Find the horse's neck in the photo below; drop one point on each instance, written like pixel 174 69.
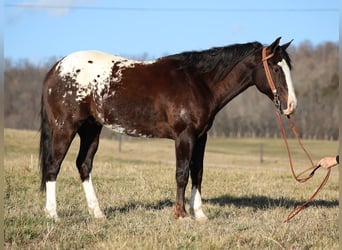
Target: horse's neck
pixel 234 83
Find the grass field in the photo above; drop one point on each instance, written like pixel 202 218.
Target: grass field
pixel 245 200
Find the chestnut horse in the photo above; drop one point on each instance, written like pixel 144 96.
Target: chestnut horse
pixel 175 97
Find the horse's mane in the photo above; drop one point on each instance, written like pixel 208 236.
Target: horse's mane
pixel 220 59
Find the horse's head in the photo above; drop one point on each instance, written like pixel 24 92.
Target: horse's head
pixel 278 63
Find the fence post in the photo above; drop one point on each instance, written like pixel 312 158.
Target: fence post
pixel 120 142
pixel 261 153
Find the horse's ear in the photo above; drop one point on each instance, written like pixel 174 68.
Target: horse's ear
pixel 272 48
pixel 286 45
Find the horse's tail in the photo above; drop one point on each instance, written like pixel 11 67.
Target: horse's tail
pixel 46 132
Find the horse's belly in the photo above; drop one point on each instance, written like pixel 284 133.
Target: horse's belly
pixel 139 118
pixel 129 131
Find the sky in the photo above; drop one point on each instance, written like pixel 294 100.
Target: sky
pixel 40 29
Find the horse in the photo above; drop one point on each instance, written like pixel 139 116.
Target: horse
pixel 175 97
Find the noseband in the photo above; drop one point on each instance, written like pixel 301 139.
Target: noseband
pixel 270 80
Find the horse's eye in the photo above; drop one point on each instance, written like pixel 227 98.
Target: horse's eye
pixel 276 69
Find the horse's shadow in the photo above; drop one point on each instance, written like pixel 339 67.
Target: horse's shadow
pixel 160 205
pixel 263 202
pixel 255 201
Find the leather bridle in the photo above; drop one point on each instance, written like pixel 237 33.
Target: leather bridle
pixel 270 80
pixel 313 167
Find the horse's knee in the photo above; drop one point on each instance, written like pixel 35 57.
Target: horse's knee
pixel 52 173
pixel 84 171
pixel 182 176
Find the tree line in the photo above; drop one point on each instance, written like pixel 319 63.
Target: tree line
pixel 251 114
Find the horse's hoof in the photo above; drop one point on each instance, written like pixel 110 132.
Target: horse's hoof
pixel 198 215
pixel 51 214
pixel 186 218
pixel 97 213
pixel 53 217
pixel 201 219
pixel 100 216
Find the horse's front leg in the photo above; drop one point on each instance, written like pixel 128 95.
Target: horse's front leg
pixel 184 147
pixel 196 168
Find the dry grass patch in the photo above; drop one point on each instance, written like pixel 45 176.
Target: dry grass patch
pixel 246 201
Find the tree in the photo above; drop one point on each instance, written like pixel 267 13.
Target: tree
pixel 251 114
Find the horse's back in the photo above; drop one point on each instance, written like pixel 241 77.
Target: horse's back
pixel 85 72
pixel 93 66
pixel 92 61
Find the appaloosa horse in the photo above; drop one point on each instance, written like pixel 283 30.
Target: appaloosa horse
pixel 176 97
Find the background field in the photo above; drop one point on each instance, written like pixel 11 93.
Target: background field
pixel 245 200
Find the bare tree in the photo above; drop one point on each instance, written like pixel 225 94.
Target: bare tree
pixel 315 76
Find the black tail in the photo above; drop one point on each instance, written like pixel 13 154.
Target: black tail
pixel 45 142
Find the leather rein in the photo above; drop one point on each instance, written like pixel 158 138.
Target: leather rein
pixel 313 167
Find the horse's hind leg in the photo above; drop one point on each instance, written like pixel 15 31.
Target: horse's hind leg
pixel 60 142
pixel 89 134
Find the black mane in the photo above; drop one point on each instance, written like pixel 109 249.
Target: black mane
pixel 223 59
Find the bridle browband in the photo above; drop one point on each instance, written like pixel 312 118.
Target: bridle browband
pixel 313 167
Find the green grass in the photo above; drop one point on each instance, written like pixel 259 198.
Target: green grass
pixel 245 200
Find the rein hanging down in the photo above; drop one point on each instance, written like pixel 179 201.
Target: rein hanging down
pixel 313 167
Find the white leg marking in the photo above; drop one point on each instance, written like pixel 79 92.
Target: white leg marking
pixel 291 99
pixel 51 206
pixel 93 204
pixel 196 205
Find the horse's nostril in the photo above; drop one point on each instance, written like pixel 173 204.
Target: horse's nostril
pixel 290 108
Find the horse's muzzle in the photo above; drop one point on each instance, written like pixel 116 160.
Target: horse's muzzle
pixel 291 107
